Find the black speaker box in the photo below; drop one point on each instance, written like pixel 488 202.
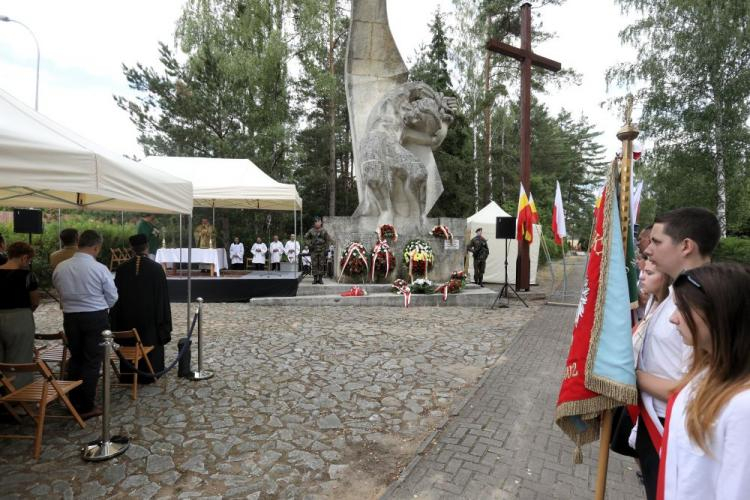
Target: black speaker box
pixel 27 221
pixel 505 228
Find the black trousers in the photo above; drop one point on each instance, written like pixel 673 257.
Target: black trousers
pixel 237 266
pixel 275 266
pixel 258 267
pixel 84 332
pixel 648 456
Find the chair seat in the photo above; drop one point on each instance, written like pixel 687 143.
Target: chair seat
pixel 33 391
pixel 129 352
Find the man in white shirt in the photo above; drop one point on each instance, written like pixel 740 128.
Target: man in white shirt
pixel 259 250
pixel 291 249
pixel 276 248
pixel 87 291
pixel 236 253
pixel 681 239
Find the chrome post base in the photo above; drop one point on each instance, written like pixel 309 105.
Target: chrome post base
pixel 202 375
pixel 97 451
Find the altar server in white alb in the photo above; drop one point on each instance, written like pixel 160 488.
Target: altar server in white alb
pixel 277 249
pixel 259 250
pixel 236 253
pixel 291 249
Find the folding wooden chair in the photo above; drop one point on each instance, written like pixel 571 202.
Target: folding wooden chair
pixel 133 354
pixel 55 353
pixel 115 258
pixel 41 391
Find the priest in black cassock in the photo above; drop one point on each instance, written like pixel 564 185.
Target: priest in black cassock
pixel 143 304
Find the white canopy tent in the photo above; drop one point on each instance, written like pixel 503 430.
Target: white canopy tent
pixel 495 272
pixel 45 165
pixel 230 183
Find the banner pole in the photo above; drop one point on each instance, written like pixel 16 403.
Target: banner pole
pixel 601 473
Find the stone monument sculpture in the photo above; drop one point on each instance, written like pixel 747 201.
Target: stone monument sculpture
pixel 395 124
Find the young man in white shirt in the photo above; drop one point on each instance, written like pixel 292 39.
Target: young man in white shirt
pixel 681 239
pixel 259 250
pixel 276 248
pixel 236 253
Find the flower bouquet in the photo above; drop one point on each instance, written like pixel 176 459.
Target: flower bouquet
pixel 354 291
pixel 354 259
pixel 422 286
pixel 383 260
pixel 401 287
pixel 459 277
pixel 387 232
pixel 419 257
pixel 442 232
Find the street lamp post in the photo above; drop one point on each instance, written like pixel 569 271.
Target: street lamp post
pixel 6 19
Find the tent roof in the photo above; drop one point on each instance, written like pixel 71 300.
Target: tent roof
pixel 230 183
pixel 45 165
pixel 488 214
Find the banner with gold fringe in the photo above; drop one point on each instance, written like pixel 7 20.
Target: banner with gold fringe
pixel 599 372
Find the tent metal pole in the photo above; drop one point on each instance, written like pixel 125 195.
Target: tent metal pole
pixel 59 228
pixel 179 245
pixel 190 266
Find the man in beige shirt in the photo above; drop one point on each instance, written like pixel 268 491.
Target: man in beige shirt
pixel 69 239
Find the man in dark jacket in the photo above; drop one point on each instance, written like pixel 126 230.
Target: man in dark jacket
pixel 480 250
pixel 143 304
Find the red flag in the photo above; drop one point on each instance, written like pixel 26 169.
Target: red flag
pixel 534 213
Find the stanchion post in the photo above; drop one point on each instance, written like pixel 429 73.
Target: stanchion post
pixel 106 447
pixel 201 374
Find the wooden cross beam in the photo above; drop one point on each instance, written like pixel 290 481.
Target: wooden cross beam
pixel 527 59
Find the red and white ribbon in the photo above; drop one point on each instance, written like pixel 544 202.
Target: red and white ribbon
pixel 444 290
pixel 403 289
pixel 380 245
pixel 349 252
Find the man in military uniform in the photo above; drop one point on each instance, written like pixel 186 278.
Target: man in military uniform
pixel 204 235
pixel 480 250
pixel 318 240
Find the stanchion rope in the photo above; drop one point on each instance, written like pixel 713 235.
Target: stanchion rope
pixel 180 354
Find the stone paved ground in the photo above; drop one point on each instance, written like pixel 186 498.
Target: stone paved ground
pixel 306 403
pixel 503 443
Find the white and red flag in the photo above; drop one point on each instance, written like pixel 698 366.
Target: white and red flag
pixel 558 217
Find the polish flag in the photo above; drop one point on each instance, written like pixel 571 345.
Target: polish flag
pixel 558 217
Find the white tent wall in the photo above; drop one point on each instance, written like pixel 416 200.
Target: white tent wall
pixel 495 271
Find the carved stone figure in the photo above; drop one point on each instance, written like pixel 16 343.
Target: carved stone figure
pixel 396 163
pixel 395 125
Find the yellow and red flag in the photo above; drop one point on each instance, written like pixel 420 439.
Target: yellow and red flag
pixel 524 218
pixel 534 213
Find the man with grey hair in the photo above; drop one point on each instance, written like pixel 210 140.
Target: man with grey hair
pixel 87 291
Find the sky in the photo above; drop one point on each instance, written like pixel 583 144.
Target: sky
pixel 83 45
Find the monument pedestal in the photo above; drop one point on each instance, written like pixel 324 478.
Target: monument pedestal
pixel 449 255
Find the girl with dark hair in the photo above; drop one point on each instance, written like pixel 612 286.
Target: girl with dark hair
pixel 707 434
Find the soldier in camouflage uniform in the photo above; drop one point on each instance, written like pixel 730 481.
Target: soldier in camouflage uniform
pixel 480 250
pixel 318 240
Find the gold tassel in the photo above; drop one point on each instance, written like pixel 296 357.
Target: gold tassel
pixel 137 264
pixel 578 456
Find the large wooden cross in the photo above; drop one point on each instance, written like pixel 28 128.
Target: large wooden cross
pixel 527 59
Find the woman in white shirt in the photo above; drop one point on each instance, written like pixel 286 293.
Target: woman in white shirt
pixel 707 433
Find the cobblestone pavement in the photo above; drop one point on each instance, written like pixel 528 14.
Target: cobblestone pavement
pixel 306 403
pixel 504 443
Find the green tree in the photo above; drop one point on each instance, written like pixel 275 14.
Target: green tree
pixel 693 62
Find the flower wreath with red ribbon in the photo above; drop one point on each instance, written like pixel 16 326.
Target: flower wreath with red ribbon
pixel 442 232
pixel 401 287
pixel 387 232
pixel 383 261
pixel 354 259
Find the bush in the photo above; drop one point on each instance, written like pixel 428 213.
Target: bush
pixel 115 235
pixel 733 249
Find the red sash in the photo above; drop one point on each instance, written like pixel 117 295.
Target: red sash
pixel 663 450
